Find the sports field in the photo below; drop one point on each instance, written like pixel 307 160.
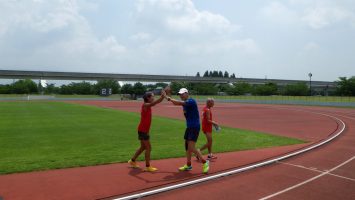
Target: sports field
pixel 51 135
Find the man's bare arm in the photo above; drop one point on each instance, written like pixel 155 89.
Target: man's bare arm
pixel 176 102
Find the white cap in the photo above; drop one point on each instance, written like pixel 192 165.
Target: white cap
pixel 183 90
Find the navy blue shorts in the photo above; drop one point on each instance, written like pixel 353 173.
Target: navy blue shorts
pixel 191 134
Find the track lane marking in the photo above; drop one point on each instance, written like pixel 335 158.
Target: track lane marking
pixel 307 181
pixel 316 170
pixel 239 170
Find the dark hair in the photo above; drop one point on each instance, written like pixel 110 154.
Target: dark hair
pixel 146 96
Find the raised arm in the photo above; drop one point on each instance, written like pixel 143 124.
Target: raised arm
pixel 155 102
pixel 176 102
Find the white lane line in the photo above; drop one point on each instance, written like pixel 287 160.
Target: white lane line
pixel 239 170
pixel 316 170
pixel 302 167
pixel 307 181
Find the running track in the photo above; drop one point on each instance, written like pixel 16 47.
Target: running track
pixel 306 176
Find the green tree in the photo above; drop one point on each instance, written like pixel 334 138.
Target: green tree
pixel 233 76
pixel 51 89
pixel 127 89
pixel 107 83
pixel 205 74
pixel 220 74
pixel 150 87
pixel 83 88
pixel 299 89
pixel 224 87
pixel 345 86
pixel 5 89
pixel 198 74
pixel 205 88
pixel 65 89
pixel 26 86
pixel 226 74
pixel 163 85
pixel 266 89
pixel 139 88
pixel 240 88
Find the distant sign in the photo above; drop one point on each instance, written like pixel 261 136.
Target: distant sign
pixel 106 92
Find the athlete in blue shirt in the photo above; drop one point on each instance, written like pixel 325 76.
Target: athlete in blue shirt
pixel 192 128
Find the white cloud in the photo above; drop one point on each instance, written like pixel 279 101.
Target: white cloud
pixel 319 17
pixel 185 30
pixel 199 22
pixel 315 14
pixel 141 36
pixel 182 15
pixel 279 12
pixel 53 33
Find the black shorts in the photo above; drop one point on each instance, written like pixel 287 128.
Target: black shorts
pixel 143 136
pixel 191 134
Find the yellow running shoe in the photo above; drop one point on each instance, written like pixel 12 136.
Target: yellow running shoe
pixel 133 164
pixel 185 168
pixel 150 169
pixel 206 167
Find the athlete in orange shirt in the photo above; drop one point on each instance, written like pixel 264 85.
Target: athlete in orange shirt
pixel 207 123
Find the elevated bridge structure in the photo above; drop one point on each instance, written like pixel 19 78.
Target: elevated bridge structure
pixel 51 75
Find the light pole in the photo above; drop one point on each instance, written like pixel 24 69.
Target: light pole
pixel 310 84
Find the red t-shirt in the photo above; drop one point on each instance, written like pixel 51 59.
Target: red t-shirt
pixel 146 119
pixel 206 125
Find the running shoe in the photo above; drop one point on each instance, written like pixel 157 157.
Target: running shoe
pixel 206 167
pixel 185 168
pixel 210 157
pixel 150 169
pixel 133 164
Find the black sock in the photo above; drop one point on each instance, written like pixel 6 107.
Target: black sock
pixel 134 160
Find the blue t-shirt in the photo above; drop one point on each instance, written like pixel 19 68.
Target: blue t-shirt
pixel 191 114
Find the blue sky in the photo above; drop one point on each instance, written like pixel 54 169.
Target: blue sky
pixel 256 39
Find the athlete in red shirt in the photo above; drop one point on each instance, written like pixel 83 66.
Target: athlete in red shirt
pixel 207 123
pixel 143 130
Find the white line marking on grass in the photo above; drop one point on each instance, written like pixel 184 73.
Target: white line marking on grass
pixel 306 181
pixel 316 170
pixel 239 170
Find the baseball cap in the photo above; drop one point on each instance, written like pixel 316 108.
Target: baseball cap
pixel 183 90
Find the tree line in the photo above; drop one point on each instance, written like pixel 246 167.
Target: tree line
pixel 345 87
pixel 28 86
pixel 216 73
pixel 242 88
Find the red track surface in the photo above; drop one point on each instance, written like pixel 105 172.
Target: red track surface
pixel 117 179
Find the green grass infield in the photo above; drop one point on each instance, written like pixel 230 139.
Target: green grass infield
pixel 51 135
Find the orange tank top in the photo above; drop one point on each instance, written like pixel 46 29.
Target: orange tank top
pixel 206 126
pixel 146 119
